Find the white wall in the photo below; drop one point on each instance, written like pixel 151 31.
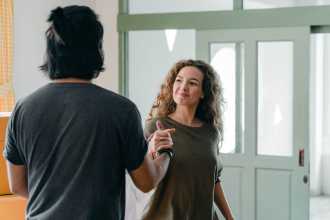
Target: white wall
pixel 108 10
pixel 161 6
pixel 29 41
pixel 147 72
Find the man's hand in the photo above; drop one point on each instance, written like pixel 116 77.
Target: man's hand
pixel 154 168
pixel 161 138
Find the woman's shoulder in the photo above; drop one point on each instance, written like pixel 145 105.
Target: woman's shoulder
pixel 150 124
pixel 152 120
pixel 213 132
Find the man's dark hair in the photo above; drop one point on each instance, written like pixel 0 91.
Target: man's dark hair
pixel 74 44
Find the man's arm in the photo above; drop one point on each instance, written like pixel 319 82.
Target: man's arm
pixel 17 179
pixel 152 170
pixel 148 175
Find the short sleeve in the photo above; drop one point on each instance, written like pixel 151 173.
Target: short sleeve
pixel 218 174
pixel 135 146
pixel 11 151
pixel 219 161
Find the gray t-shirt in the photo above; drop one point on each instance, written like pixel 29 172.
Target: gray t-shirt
pixel 76 141
pixel 187 191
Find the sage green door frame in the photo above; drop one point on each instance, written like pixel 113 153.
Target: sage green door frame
pixel 248 161
pixel 316 17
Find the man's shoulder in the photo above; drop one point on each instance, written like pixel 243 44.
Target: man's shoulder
pixel 98 92
pixel 116 100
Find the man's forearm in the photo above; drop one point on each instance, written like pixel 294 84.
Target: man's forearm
pixel 17 179
pixel 161 164
pixel 153 169
pixel 151 172
pixel 22 192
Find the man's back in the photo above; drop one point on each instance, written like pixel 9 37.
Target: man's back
pixel 76 140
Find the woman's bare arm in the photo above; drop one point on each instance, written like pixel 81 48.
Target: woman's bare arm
pixel 220 200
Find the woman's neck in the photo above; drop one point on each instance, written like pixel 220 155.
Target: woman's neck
pixel 185 116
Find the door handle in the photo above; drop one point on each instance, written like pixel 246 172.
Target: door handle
pixel 305 179
pixel 301 157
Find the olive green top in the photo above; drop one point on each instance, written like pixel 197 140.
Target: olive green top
pixel 187 191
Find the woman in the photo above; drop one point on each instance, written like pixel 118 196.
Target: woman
pixel 190 100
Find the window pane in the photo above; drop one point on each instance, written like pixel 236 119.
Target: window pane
pixel 275 98
pixel 164 6
pixel 224 59
pixel 262 4
pixel 151 55
pixel 319 122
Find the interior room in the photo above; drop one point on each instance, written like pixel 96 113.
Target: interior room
pixel 273 61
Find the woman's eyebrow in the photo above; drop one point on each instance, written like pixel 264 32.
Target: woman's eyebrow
pixel 194 79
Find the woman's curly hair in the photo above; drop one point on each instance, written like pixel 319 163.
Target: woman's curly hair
pixel 209 109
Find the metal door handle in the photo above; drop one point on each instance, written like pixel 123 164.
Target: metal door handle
pixel 305 179
pixel 301 157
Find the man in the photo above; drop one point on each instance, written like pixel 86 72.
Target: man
pixel 70 142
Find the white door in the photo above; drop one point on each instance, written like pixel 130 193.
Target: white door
pixel 265 75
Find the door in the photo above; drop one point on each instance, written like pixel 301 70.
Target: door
pixel 265 77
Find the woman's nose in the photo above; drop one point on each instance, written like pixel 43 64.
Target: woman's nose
pixel 184 86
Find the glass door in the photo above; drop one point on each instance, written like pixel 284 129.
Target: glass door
pixel 265 75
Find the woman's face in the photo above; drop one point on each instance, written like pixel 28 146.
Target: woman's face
pixel 187 87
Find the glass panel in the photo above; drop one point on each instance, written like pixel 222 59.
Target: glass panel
pixel 151 55
pixel 319 126
pixel 318 72
pixel 164 6
pixel 275 98
pixel 262 4
pixel 224 58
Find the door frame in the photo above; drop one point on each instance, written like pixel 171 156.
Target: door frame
pixel 238 18
pixel 249 161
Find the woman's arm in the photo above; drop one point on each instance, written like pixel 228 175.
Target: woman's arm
pixel 220 200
